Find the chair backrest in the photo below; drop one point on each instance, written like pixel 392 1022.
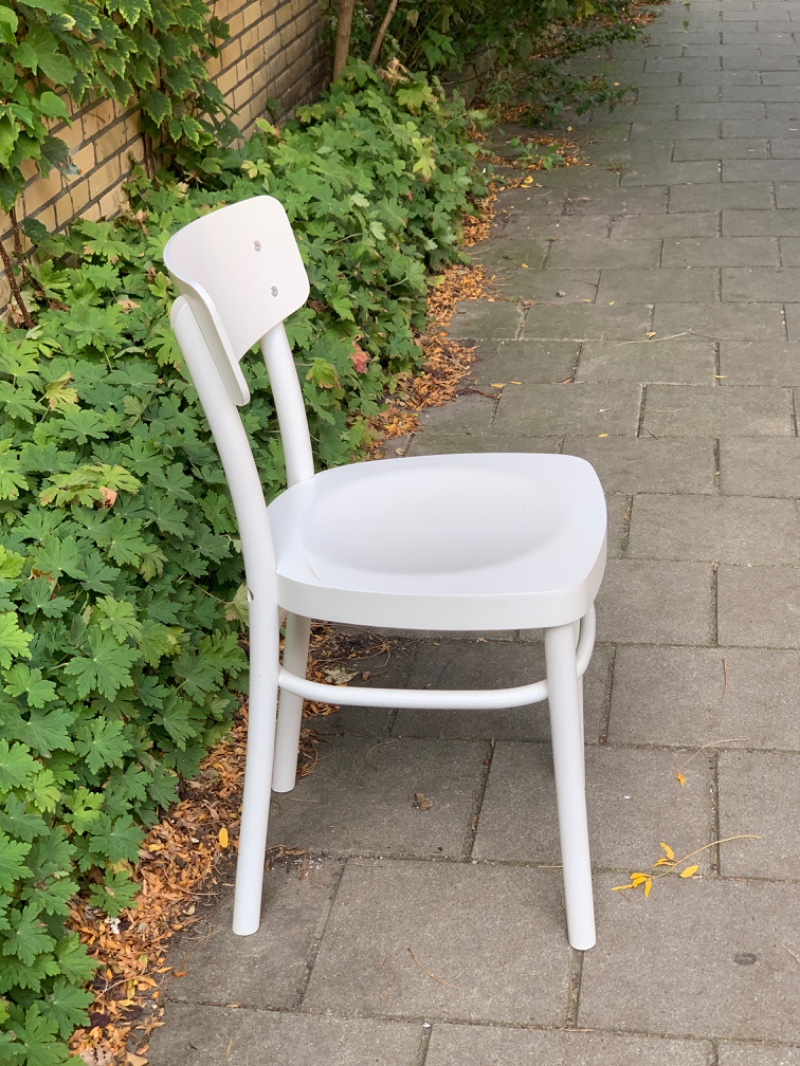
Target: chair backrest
pixel 240 271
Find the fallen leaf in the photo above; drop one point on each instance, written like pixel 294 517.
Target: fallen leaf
pixel 667 850
pixel 421 801
pixel 680 778
pixel 690 871
pixel 223 837
pixel 649 334
pixel 496 385
pixel 602 434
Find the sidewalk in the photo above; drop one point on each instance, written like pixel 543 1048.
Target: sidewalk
pixel 649 322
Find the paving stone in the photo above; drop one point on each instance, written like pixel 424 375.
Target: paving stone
pixel 631 794
pixel 784 149
pixel 587 178
pixel 654 133
pixel 716 148
pixel 759 607
pixel 459 922
pixel 751 467
pixel 671 173
pixel 683 64
pixel 360 798
pixel 767 93
pixel 643 200
pixel 460 664
pixel 787 194
pixel 655 602
pixel 269 969
pixel 792 318
pixel 761 223
pixel 707 411
pixel 605 254
pixel 691 224
pixel 446 440
pixel 454 1045
pixel 722 111
pixel 725 697
pixel 783 170
pixel 752 195
pixel 721 252
pixel 547 286
pixel 552 410
pixel 647 286
pixel 472 412
pixel 240 1037
pixel 648 465
pixel 530 202
pixel 481 318
pixel 728 321
pixel 748 363
pixel 790 250
pixel 778 77
pixel 680 94
pixel 559 227
pixel 757 1055
pixel 528 362
pixel 758 794
pixel 730 529
pixel 508 254
pixel 684 361
pixel 588 321
pixel 706 927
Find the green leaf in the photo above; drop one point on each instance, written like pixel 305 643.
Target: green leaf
pixel 28 936
pixel 8 25
pixel 21 680
pixel 13 641
pixel 106 669
pixel 38 1036
pixel 18 768
pixel 12 865
pixel 66 1005
pixel 52 106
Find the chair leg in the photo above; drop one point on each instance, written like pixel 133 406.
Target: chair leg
pixel 264 659
pixel 290 707
pixel 565 722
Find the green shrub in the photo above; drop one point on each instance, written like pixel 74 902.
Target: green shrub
pixel 119 565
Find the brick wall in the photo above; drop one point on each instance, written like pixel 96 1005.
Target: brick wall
pixel 275 50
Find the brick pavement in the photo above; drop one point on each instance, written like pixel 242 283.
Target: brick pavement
pixel 664 281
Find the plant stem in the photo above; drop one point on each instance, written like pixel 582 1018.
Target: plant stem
pixel 343 27
pixel 376 44
pixel 12 284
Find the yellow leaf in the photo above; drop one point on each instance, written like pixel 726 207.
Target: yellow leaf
pixel 690 871
pixel 647 888
pixel 602 434
pixel 495 385
pixel 620 888
pixel 680 778
pixel 223 837
pixel 638 879
pixel 649 334
pixel 663 862
pixel 667 850
pixel 524 266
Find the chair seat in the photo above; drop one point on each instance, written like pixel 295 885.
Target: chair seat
pixel 483 541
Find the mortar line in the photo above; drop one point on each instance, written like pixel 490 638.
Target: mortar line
pixel 714 862
pixel 475 814
pixel 714 607
pixel 605 721
pixel 625 537
pixel 574 978
pixel 717 468
pixel 642 406
pixel 794 412
pixel 713 1054
pixel 424 1044
pixel 311 958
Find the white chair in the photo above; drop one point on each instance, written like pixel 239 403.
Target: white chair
pixel 443 542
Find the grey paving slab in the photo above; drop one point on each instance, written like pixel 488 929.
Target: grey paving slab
pixel 585 176
pixel 787 194
pixel 581 228
pixel 780 223
pixel 730 529
pixel 678 173
pixel 631 796
pixel 480 318
pixel 548 286
pixel 767 93
pixel 560 409
pixel 474 412
pixel 752 195
pixel 508 254
pixel 646 286
pixel 687 360
pixel 239 1037
pixel 756 1055
pixel 585 322
pixel 460 664
pixel 654 132
pixel 649 465
pixel 791 316
pixel 530 202
pixel 722 77
pixel 691 224
pixel 447 440
pixel 784 149
pixel 721 697
pixel 707 411
pixel 655 602
pixel 525 362
pixel 361 800
pixel 680 94
pixel 758 794
pixel 717 149
pixel 748 363
pixel 728 321
pixel 644 200
pixel 752 467
pixel 740 284
pixel 452 1045
pixel 720 251
pixel 394 924
pixel 738 110
pixel 759 606
pixel 696 929
pixel 605 254
pixel 790 251
pixel 759 169
pixel 269 969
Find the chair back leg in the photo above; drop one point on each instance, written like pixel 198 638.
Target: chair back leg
pixel 568 759
pixel 264 662
pixel 290 707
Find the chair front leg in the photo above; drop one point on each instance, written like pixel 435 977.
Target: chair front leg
pixel 568 760
pixel 264 662
pixel 290 707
